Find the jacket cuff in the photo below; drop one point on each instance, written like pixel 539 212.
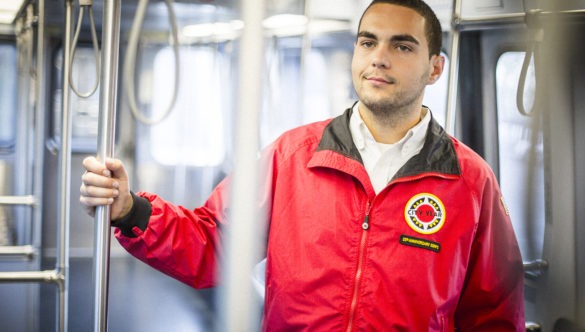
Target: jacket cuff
pixel 138 216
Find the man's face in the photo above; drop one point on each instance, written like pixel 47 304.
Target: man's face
pixel 391 65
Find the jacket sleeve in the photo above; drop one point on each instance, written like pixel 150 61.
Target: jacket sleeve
pixel 187 244
pixel 179 242
pixel 493 294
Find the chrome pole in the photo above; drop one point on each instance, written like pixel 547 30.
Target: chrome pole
pixel 238 310
pixel 453 70
pixel 108 79
pixel 39 145
pixel 23 165
pixel 64 191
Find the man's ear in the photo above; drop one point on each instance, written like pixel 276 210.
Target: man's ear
pixel 437 66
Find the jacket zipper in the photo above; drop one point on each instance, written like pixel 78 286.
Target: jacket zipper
pixel 358 273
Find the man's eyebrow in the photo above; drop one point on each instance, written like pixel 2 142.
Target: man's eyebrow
pixel 367 34
pixel 394 39
pixel 404 38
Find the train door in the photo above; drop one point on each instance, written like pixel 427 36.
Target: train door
pixel 520 106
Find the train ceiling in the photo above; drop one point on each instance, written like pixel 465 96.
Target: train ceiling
pixel 217 10
pixel 205 11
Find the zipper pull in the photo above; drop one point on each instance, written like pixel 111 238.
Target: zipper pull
pixel 366 223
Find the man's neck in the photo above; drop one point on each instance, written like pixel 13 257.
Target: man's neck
pixel 389 129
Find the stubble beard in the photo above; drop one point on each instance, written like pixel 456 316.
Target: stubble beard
pixel 392 110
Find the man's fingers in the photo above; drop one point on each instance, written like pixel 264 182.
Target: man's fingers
pixel 90 179
pixel 117 169
pixel 92 165
pixel 98 192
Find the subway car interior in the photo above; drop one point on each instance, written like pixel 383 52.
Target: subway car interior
pixel 157 84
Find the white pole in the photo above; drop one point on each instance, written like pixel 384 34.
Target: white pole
pixel 238 310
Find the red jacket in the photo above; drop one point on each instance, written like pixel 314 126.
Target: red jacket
pixel 433 251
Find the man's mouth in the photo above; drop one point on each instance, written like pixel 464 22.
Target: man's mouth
pixel 379 80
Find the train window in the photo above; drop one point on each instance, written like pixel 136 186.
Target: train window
pixel 194 133
pixel 520 161
pixel 84 110
pixel 8 95
pixel 296 96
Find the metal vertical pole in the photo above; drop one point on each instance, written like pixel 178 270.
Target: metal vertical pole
pixel 239 311
pixel 453 70
pixel 108 79
pixel 62 264
pixel 39 138
pixel 23 163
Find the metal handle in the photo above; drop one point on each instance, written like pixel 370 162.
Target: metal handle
pixel 533 327
pixel 536 268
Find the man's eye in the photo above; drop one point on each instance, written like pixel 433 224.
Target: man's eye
pixel 367 44
pixel 404 48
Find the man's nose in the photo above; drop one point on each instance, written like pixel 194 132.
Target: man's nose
pixel 381 57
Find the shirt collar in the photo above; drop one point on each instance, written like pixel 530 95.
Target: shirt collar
pixel 359 131
pixel 412 140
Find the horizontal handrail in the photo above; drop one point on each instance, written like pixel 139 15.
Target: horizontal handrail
pixel 489 21
pixel 48 276
pixel 26 250
pixel 18 200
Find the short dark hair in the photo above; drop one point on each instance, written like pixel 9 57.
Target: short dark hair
pixel 433 30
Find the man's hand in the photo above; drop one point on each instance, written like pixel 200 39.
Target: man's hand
pixel 105 185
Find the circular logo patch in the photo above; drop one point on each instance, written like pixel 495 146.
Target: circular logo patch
pixel 425 213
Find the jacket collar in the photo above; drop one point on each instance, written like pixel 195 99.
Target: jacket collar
pixel 437 155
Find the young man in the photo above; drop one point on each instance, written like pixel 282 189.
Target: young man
pixel 378 220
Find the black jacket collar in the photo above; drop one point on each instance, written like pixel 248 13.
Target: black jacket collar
pixel 437 155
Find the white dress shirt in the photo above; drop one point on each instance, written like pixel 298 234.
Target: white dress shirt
pixel 381 160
